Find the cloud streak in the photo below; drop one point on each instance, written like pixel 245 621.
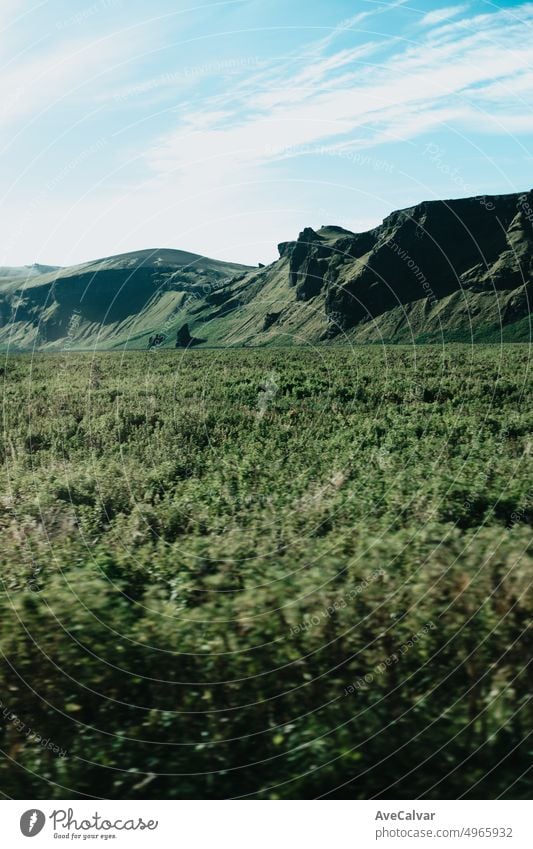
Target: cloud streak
pixel 475 72
pixel 208 124
pixel 437 16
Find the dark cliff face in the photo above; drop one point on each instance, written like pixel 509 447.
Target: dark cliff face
pixel 429 251
pixel 456 270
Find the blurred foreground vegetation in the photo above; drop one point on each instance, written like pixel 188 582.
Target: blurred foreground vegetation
pixel 204 553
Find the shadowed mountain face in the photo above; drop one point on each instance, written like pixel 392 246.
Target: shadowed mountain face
pixel 466 262
pixel 108 303
pixel 454 270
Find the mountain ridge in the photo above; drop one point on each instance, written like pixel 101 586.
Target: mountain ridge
pixel 456 270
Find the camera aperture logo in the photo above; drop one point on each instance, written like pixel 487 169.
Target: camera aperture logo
pixel 32 822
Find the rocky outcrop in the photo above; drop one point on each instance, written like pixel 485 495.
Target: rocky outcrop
pixel 429 251
pixel 184 338
pixel 270 319
pixel 308 262
pixel 156 341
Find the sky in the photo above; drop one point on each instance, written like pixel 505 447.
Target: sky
pixel 224 128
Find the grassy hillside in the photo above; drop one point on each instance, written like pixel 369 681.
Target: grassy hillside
pixel 456 270
pixel 114 302
pixel 271 574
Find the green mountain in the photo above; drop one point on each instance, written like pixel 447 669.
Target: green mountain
pixel 451 270
pixel 109 303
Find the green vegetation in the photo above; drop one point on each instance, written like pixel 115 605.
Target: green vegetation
pixel 204 553
pixel 441 271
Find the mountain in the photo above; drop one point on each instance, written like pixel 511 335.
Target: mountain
pixel 109 303
pixel 25 271
pixel 440 270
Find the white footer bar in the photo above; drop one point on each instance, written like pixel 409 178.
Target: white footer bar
pixel 267 825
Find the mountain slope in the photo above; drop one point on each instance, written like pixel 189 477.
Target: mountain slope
pixel 107 303
pixel 25 271
pixel 457 269
pixel 452 270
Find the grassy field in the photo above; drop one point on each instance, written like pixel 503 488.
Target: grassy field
pixel 267 573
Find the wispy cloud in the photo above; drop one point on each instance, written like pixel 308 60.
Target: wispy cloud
pixel 207 124
pixel 437 16
pixel 11 11
pixel 353 22
pixel 36 84
pixel 451 75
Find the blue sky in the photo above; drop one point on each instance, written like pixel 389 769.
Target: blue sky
pixel 224 128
